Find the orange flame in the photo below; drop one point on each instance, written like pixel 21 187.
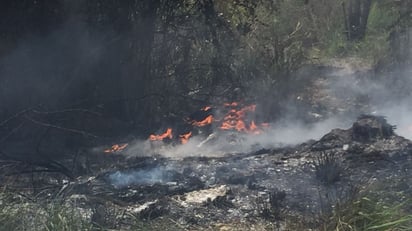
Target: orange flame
pixel 235 119
pixel 206 121
pixel 253 126
pixel 167 134
pixel 185 137
pixel 116 148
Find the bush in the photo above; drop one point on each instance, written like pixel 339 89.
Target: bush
pixel 327 168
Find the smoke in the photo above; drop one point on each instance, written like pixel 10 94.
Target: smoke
pixel 386 94
pixel 345 94
pixel 221 143
pixel 67 64
pixel 148 176
pixel 59 70
pixel 398 114
pixel 44 69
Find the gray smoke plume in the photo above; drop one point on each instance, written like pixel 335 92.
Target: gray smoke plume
pixel 345 94
pixel 149 176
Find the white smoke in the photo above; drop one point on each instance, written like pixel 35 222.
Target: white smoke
pixel 347 93
pixel 221 143
pixel 149 176
pixel 386 94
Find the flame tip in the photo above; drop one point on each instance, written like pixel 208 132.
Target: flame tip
pixel 234 119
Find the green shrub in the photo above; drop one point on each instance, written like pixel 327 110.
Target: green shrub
pixel 371 214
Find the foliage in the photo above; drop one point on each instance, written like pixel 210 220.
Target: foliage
pixel 368 213
pixel 382 205
pixel 328 23
pixel 20 214
pixel 9 220
pixel 171 56
pixel 130 67
pixel 375 45
pixel 61 217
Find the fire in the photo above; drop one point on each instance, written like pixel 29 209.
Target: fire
pixel 185 137
pixel 235 119
pixel 116 148
pixel 208 120
pixel 167 134
pixel 253 128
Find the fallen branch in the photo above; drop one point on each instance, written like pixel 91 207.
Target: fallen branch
pixel 32 109
pixel 46 166
pixel 11 132
pixel 68 110
pixel 4 122
pixel 61 128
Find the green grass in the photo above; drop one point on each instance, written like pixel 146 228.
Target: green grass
pixel 382 205
pixel 60 217
pixel 368 214
pixel 374 46
pixel 18 213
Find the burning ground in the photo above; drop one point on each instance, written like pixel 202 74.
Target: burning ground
pixel 205 115
pixel 265 188
pixel 223 168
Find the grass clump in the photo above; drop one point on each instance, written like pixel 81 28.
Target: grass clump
pixel 367 213
pixel 9 218
pixel 328 169
pixel 62 217
pixel 19 213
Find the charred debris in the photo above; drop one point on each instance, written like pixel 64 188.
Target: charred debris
pixel 303 181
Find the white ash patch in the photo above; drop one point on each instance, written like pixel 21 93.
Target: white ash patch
pixel 202 196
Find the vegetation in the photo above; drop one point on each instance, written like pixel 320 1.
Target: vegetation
pixel 367 213
pixel 100 69
pixel 328 168
pixel 23 214
pixel 132 59
pixel 381 205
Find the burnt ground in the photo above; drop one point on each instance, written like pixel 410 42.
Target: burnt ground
pixel 265 189
pixel 272 188
pixel 301 181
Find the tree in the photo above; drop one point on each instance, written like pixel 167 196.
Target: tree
pixel 356 14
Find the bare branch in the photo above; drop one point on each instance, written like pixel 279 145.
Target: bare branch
pixel 15 116
pixel 60 128
pixel 68 110
pixel 11 132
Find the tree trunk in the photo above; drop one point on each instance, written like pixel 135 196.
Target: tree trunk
pixel 356 15
pixel 137 80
